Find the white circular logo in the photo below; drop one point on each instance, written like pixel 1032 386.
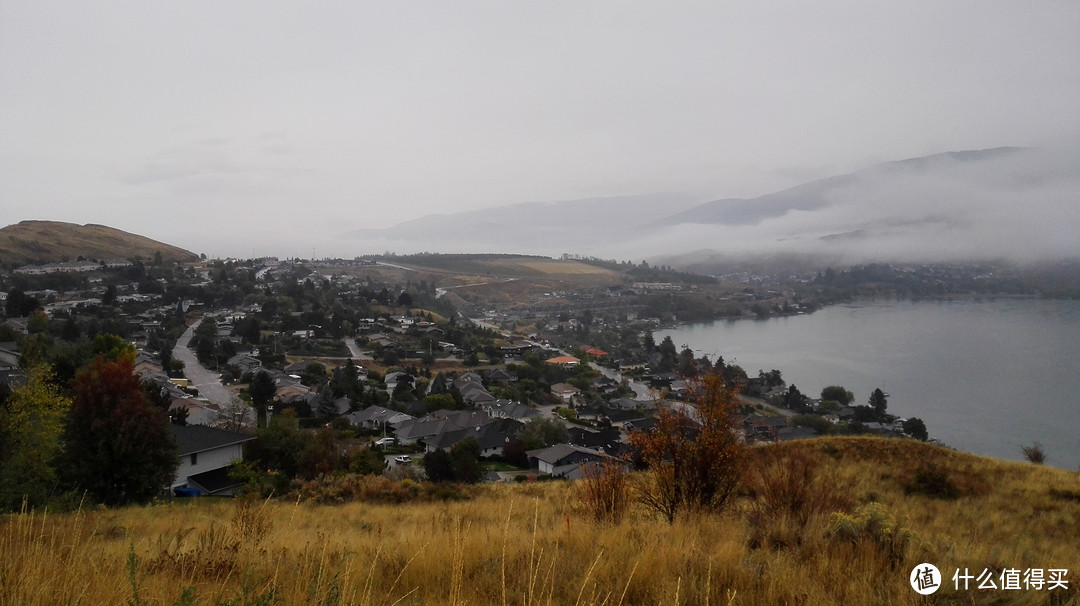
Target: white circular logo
pixel 925 579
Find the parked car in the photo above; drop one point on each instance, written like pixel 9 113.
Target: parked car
pixel 386 441
pixel 403 459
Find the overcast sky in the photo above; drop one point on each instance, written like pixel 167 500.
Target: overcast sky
pixel 233 128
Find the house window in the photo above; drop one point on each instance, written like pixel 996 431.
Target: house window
pixel 194 458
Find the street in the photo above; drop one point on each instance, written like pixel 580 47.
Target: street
pixel 207 381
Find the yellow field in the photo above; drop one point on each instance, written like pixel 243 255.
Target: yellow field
pixel 533 544
pixel 565 268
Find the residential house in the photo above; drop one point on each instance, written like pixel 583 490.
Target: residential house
pixel 9 355
pixel 560 459
pixel 300 367
pixel 424 428
pixel 205 457
pixel 378 417
pixel 476 395
pixel 508 409
pixel 597 440
pixel 569 361
pixel 628 404
pixel 492 436
pixel 245 363
pixel 785 434
pixel 764 428
pixel 498 376
pixel 565 392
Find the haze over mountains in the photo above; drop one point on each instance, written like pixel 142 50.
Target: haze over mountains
pixel 1003 203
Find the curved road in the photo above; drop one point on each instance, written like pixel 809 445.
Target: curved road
pixel 207 381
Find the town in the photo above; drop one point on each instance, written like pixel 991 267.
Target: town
pixel 278 375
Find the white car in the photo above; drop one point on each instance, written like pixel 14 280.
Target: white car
pixel 386 441
pixel 403 460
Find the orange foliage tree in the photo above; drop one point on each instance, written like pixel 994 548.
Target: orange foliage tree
pixel 694 454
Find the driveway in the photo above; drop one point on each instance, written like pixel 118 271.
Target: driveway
pixel 355 351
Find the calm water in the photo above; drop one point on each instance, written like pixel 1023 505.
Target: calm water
pixel 985 376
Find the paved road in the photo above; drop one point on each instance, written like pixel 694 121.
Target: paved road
pixel 355 351
pixel 206 381
pixel 642 392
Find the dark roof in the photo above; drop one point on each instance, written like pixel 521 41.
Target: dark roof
pixel 200 438
pixel 795 433
pixel 593 439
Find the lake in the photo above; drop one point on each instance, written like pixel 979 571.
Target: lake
pixel 987 376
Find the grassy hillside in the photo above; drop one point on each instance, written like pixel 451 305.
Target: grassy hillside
pixel 37 242
pixel 827 521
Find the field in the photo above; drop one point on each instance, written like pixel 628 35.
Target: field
pixel 828 521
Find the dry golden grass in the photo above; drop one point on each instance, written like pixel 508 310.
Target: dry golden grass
pixel 565 268
pixel 51 241
pixel 532 544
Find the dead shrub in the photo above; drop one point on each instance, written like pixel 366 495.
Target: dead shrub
pixel 1034 453
pixel 792 482
pixel 604 493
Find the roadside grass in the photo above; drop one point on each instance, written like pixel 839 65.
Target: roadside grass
pixel 852 534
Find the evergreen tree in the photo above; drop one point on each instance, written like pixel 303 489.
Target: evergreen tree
pixel 262 390
pixel 465 461
pixel 879 402
pixel 668 355
pixel 439 466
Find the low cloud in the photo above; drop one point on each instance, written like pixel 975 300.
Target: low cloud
pixel 1020 206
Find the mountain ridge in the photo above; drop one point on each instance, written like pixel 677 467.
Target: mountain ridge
pixel 1001 202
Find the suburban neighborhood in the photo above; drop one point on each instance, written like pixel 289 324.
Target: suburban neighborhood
pixel 339 358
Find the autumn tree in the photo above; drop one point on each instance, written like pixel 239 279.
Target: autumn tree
pixel 31 428
pixel 694 455
pixel 118 445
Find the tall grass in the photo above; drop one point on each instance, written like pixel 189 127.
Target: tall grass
pixel 531 544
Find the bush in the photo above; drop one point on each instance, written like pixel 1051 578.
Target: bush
pixel 932 481
pixel 604 493
pixel 1034 453
pixel 695 459
pixel 789 482
pixel 872 526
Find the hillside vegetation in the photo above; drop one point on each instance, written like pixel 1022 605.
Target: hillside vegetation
pixel 37 242
pixel 826 521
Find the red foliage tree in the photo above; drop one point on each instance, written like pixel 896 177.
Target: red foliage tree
pixel 118 446
pixel 694 454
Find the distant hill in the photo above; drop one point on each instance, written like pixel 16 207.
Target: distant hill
pixel 817 194
pixel 1011 203
pixel 37 242
pixel 544 228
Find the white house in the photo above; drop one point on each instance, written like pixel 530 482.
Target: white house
pixel 205 456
